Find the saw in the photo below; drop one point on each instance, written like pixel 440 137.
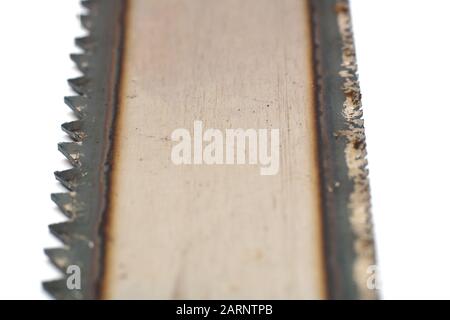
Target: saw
pixel 219 153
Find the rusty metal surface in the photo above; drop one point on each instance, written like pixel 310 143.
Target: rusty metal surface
pixel 348 248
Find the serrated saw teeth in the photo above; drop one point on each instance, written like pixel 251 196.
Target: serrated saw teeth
pixel 72 151
pixel 73 233
pixel 78 104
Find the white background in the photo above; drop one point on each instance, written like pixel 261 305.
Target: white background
pixel 404 65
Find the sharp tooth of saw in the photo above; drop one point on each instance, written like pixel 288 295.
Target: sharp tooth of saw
pixel 72 233
pixel 66 203
pixel 58 290
pixel 84 43
pixel 74 129
pixel 81 60
pixel 79 85
pixel 64 231
pixel 69 178
pixel 60 257
pixel 86 21
pixel 78 104
pixel 72 151
pixel 88 4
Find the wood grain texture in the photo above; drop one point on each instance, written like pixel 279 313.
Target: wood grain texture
pixel 214 231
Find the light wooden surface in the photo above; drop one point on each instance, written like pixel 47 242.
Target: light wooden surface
pixel 214 231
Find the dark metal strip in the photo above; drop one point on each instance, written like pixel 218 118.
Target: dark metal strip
pixel 96 104
pixel 348 240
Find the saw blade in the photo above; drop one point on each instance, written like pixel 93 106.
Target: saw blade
pixel 141 226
